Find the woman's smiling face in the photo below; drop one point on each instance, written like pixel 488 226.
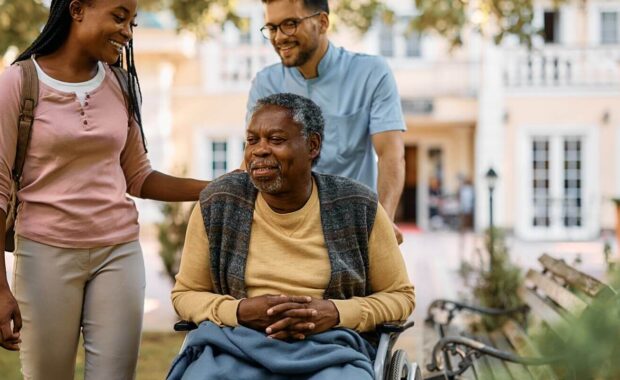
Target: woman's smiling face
pixel 103 27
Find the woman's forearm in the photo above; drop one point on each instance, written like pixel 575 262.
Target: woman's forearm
pixel 163 187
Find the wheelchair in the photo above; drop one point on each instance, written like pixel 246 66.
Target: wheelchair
pixel 388 364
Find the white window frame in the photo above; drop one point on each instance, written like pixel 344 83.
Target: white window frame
pixel 594 10
pixel 203 148
pixel 590 179
pixel 600 28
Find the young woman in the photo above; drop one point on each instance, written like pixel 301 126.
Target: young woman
pixel 78 263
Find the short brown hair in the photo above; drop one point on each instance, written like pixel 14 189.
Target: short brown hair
pixel 313 5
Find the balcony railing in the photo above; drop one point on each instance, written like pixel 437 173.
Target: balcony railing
pixel 437 78
pixel 563 67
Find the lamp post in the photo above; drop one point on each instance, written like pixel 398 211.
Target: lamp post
pixel 617 202
pixel 491 178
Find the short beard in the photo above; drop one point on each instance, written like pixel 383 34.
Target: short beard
pixel 270 187
pixel 303 58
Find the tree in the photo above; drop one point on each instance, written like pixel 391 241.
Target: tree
pixel 448 18
pixel 500 18
pixel 20 23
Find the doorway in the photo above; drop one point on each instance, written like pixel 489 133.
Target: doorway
pixel 407 208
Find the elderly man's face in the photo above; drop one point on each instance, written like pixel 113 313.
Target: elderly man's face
pixel 277 156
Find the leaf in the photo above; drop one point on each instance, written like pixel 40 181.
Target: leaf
pixel 17 30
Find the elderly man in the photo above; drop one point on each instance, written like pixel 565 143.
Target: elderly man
pixel 284 266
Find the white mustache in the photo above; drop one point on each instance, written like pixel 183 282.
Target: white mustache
pixel 263 164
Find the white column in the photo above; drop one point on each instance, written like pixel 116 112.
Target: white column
pixel 617 166
pixel 422 191
pixel 211 65
pixel 165 117
pixel 490 136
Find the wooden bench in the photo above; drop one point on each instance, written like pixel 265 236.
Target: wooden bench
pixel 552 299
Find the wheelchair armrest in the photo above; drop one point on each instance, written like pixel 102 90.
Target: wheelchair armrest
pixel 185 326
pixel 394 326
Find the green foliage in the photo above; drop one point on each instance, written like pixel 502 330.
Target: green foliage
pixel 592 349
pixel 497 18
pixel 157 350
pixel 20 23
pixel 171 235
pixel 495 286
pixel 360 14
pixel 197 16
pixel 449 18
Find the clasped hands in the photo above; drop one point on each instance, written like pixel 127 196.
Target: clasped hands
pixel 287 317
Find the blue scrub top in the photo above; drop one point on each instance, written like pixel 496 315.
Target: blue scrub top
pixel 358 96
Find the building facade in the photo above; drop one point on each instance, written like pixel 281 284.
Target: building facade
pixel 547 120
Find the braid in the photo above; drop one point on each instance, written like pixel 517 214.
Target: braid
pixel 133 86
pixel 54 32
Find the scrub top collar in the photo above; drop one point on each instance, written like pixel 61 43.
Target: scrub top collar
pixel 326 62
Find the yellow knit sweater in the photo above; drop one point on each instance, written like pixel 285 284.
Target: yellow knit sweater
pixel 287 255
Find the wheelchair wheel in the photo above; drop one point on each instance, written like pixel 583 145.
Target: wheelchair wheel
pixel 399 366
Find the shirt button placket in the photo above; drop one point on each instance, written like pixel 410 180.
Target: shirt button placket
pixel 83 112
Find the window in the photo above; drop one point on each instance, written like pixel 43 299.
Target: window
pixel 572 183
pixel 386 40
pixel 609 27
pixel 540 182
pixel 219 164
pixel 551 31
pixel 412 44
pixel 245 37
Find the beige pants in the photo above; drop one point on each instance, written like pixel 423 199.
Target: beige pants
pixel 62 291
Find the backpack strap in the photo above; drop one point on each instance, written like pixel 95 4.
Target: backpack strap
pixel 29 99
pixel 123 79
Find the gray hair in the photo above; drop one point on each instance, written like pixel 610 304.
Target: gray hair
pixel 302 110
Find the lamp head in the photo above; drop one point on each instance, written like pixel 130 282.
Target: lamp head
pixel 491 178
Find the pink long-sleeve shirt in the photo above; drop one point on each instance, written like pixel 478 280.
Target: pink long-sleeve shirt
pixel 80 164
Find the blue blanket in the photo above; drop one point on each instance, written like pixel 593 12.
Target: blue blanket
pixel 220 353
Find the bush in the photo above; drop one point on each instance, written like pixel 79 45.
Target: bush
pixel 593 347
pixel 171 235
pixel 495 285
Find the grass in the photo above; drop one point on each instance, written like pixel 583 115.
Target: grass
pixel 156 354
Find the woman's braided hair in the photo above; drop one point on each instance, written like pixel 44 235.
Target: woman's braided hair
pixel 55 33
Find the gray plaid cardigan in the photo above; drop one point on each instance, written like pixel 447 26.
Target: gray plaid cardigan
pixel 348 212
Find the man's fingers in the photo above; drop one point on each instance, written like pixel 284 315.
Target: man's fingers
pixel 292 325
pixel 284 335
pixel 276 300
pixel 300 299
pixel 277 309
pixel 281 335
pixel 280 325
pixel 300 327
pixel 300 313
